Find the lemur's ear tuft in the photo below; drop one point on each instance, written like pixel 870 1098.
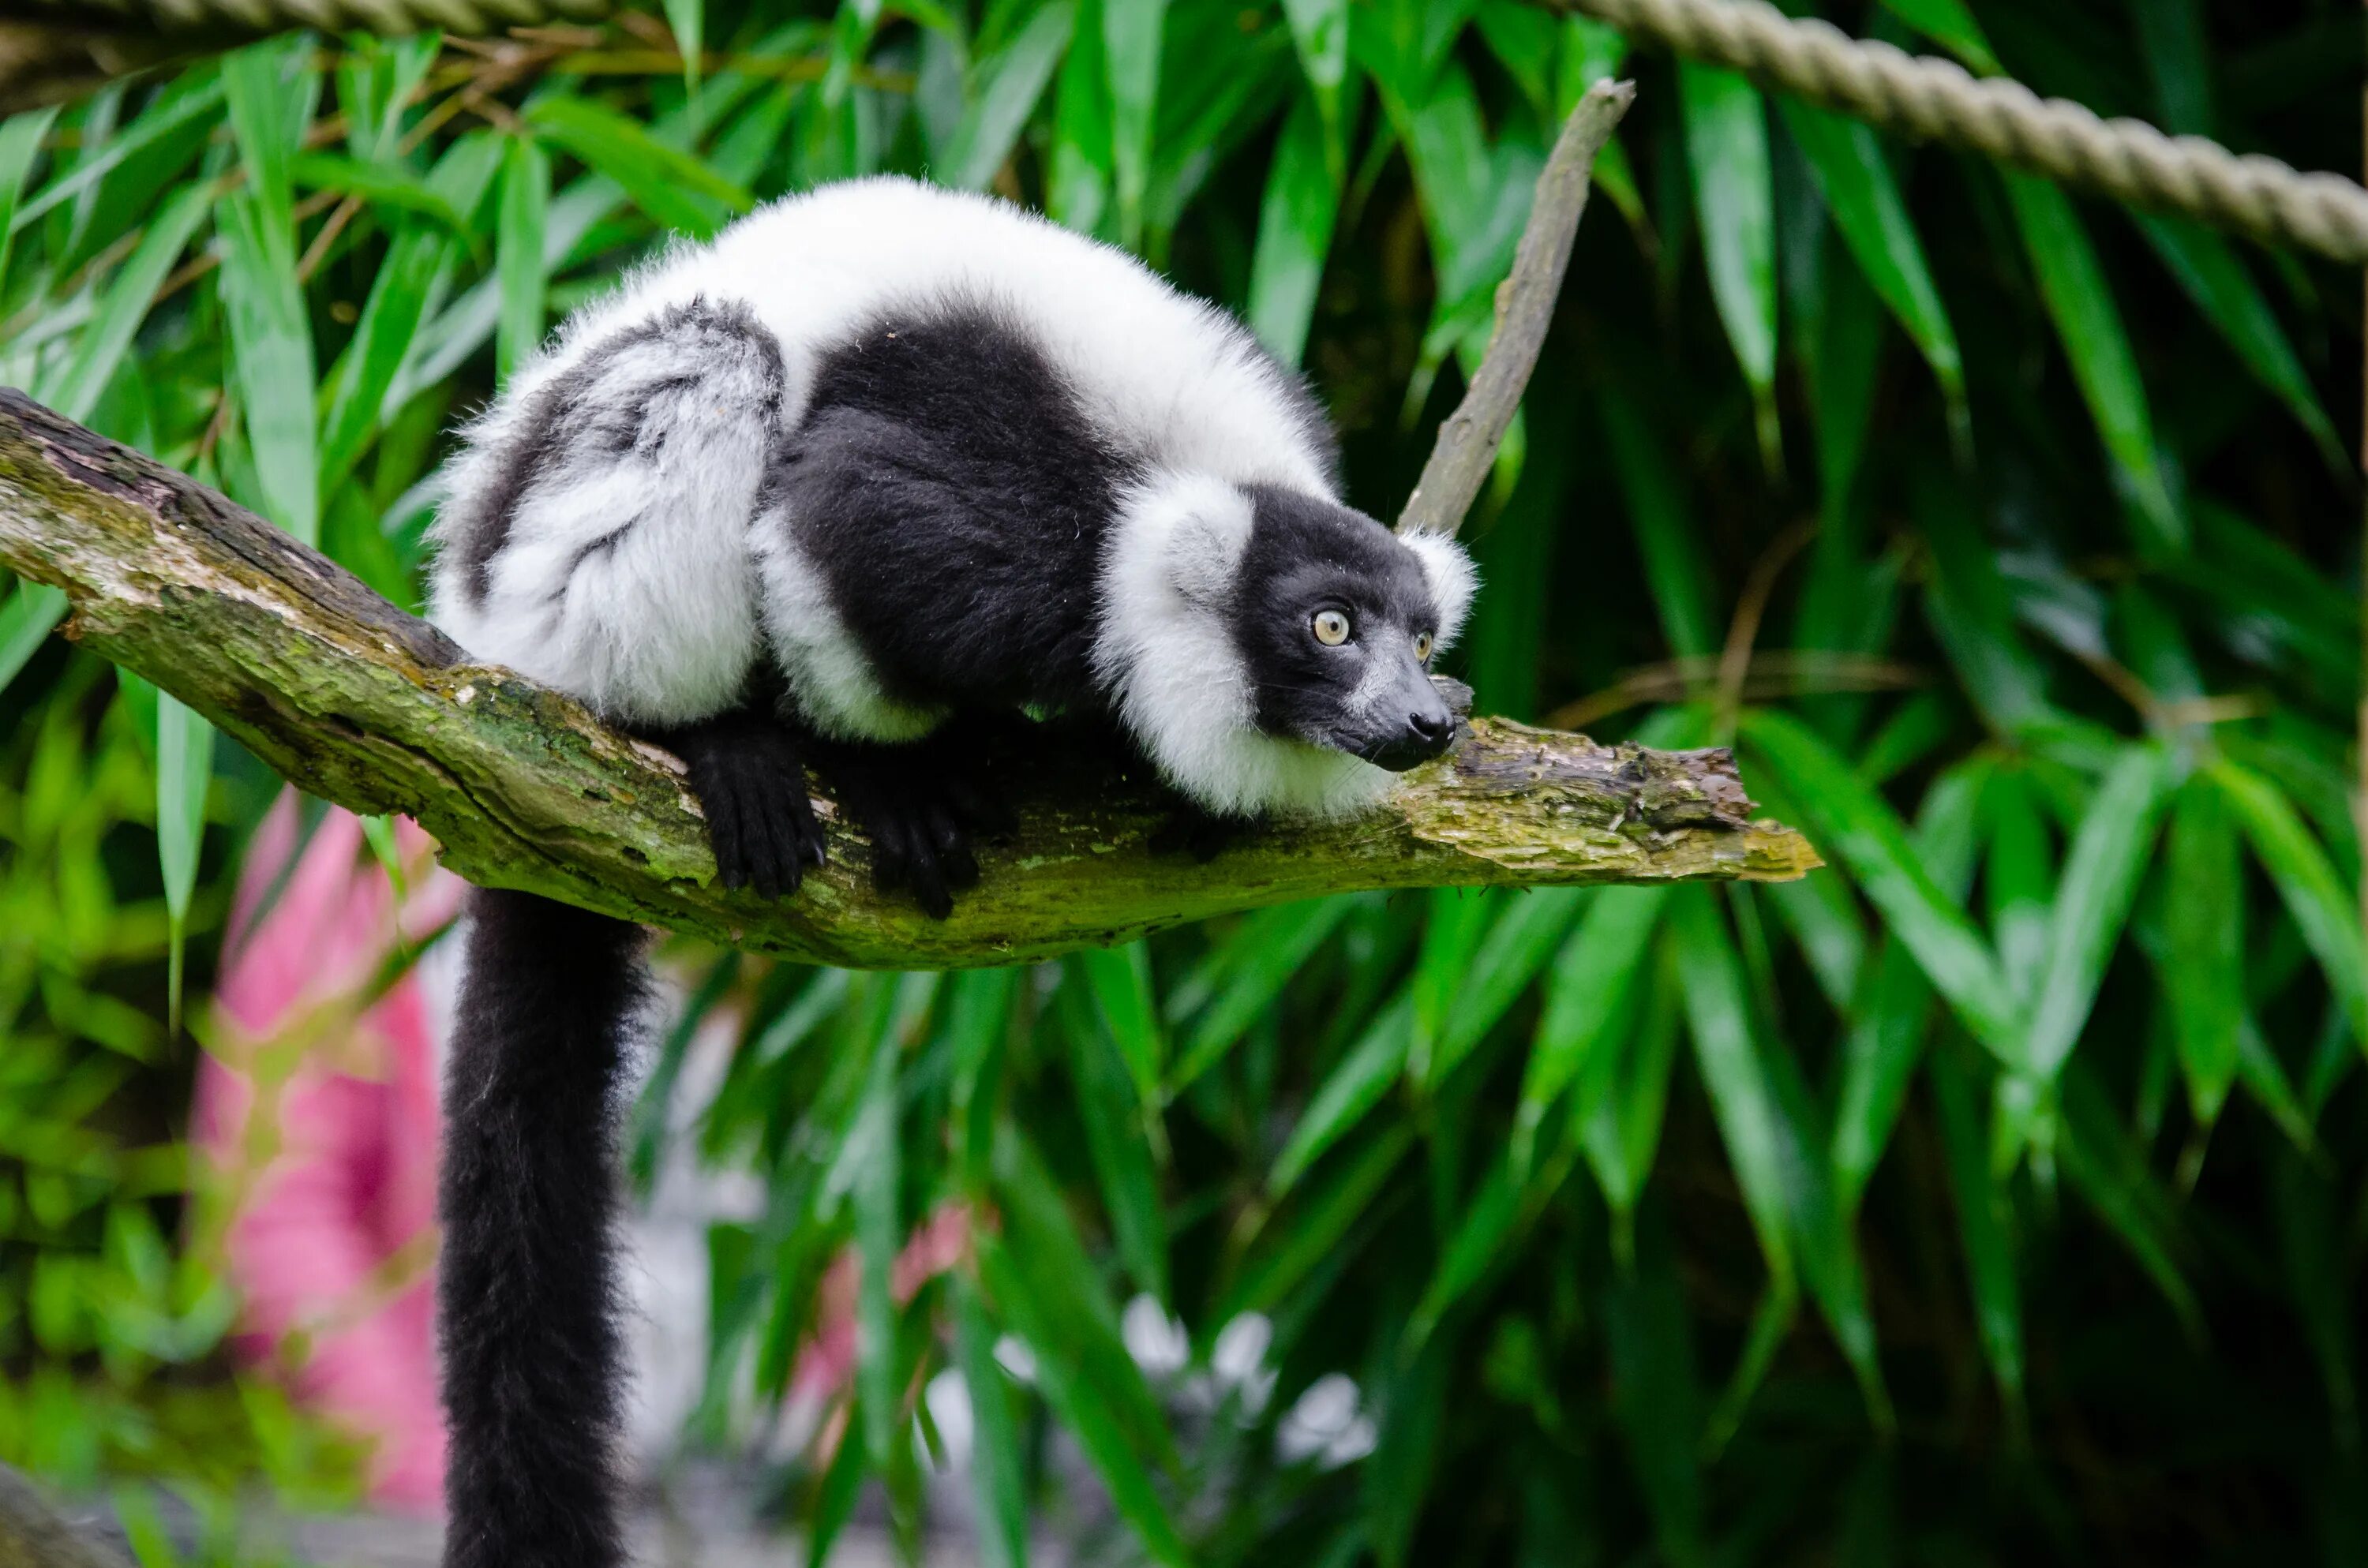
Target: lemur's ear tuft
pixel 1449 573
pixel 1209 530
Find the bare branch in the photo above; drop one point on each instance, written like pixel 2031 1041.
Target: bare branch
pixel 1466 448
pixel 356 701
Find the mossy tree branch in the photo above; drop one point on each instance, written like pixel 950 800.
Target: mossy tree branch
pixel 356 701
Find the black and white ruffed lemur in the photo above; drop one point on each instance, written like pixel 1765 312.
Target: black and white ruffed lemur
pixel 876 458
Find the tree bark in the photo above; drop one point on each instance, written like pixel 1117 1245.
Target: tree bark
pixel 33 1536
pixel 352 700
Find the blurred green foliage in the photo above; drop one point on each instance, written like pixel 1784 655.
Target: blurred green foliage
pixel 1999 1193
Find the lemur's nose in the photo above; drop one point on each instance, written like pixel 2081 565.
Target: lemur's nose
pixel 1430 728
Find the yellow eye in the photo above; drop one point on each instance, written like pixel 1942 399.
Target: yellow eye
pixel 1422 647
pixel 1331 628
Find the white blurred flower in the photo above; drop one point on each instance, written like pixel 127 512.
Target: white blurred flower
pixel 1011 1353
pixel 1157 1341
pixel 948 1396
pixel 1238 1360
pixel 1326 1425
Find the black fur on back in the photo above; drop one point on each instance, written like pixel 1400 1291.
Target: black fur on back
pixel 573 412
pixel 526 1299
pixel 955 497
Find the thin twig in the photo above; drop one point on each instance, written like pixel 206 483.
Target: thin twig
pixel 1466 448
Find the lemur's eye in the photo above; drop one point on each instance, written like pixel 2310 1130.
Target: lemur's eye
pixel 1331 628
pixel 1422 647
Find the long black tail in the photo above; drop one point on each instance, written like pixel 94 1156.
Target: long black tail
pixel 528 1308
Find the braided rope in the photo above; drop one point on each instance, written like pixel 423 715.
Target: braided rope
pixel 384 16
pixel 1941 101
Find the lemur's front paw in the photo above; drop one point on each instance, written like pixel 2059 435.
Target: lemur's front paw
pixel 750 780
pixel 1191 829
pixel 920 815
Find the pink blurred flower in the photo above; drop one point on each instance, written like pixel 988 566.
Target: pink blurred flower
pixel 315 1115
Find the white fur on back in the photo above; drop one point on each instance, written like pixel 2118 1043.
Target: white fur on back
pixel 1168 379
pixel 1166 658
pixel 624 576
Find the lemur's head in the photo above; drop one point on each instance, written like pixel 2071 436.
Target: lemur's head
pixel 1271 649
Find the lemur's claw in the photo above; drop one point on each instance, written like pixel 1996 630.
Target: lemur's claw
pixel 920 817
pixel 745 770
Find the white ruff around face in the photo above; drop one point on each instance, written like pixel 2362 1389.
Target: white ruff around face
pixel 1166 658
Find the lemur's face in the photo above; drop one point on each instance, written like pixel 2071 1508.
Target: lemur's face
pixel 1337 621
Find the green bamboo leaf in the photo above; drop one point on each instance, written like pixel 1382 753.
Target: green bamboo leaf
pixel 1121 981
pixel 26 617
pixel 872 1148
pixel 1854 822
pixel 1067 1298
pixel 2101 871
pixel 100 349
pixel 1131 38
pixel 386 185
pixel 1727 145
pixel 1880 1055
pixel 185 755
pixel 978 1018
pixel 2178 55
pixel 1973 612
pixel 1665 534
pixel 1076 1397
pixel 675 189
pixel 1356 1087
pixel 2205 914
pixel 1657 1399
pixel 1727 1054
pixel 1887 1029
pixel 999 1462
pixel 2020 886
pixel 1076 192
pixel 525 213
pixel 1825 921
pixel 1847 346
pixel 841 1486
pixel 687 19
pixel 1253 966
pixel 1319 35
pixel 271 351
pixel 1515 948
pixel 1985 1227
pixel 1295 223
pixel 1005 89
pixel 2313 890
pixel 268 124
pixel 2072 283
pixel 1622 1097
pixel 20 143
pixel 1457 919
pixel 1870 213
pixel 1320 1219
pixel 1949 23
pixel 1120 1142
pixel 1488 1222
pixel 2208 269
pixel 2110 1170
pixel 1593 974
pixel 175 115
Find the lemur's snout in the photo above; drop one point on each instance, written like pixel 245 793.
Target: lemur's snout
pixel 1427 729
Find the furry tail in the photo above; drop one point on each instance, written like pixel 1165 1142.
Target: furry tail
pixel 527 1302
